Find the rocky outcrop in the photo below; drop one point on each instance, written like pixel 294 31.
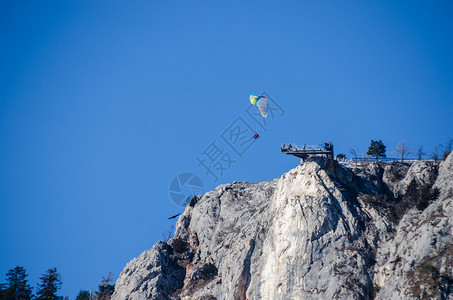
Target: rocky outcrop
pixel 417 262
pixel 445 178
pixel 152 275
pixel 321 231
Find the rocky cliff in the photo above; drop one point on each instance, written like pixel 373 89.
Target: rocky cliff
pixel 321 231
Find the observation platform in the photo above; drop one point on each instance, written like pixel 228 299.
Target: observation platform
pixel 307 150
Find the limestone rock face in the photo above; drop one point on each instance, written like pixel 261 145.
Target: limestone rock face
pixel 321 231
pixel 445 178
pixel 152 275
pixel 421 172
pixel 417 262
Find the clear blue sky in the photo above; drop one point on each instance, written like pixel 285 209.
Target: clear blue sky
pixel 103 103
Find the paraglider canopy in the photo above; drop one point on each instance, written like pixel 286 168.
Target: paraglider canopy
pixel 261 102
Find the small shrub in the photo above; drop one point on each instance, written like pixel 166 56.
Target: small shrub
pixel 422 196
pixel 166 235
pixel 397 173
pixel 179 245
pixel 341 156
pixel 208 271
pixel 411 190
pixel 193 201
pixel 425 282
pixel 427 195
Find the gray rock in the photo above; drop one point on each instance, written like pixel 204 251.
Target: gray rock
pixel 444 181
pixel 422 172
pixel 321 231
pixel 418 261
pixel 152 275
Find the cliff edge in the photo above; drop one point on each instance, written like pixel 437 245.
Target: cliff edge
pixel 321 231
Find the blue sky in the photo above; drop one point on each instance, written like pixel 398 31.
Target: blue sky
pixel 103 103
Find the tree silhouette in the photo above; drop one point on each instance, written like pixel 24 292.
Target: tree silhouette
pixel 403 149
pixel 354 153
pixel 83 295
pixel 420 152
pixel 376 149
pixel 106 289
pixel 50 284
pixel 435 153
pixel 17 286
pixel 447 149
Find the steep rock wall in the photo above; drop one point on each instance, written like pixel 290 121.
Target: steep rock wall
pixel 321 231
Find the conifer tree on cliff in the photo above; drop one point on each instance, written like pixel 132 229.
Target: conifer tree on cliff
pixel 50 284
pixel 16 286
pixel 376 149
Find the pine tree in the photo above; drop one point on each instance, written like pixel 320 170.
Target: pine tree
pixel 17 287
pixel 106 289
pixel 83 295
pixel 50 284
pixel 376 149
pixel 2 291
